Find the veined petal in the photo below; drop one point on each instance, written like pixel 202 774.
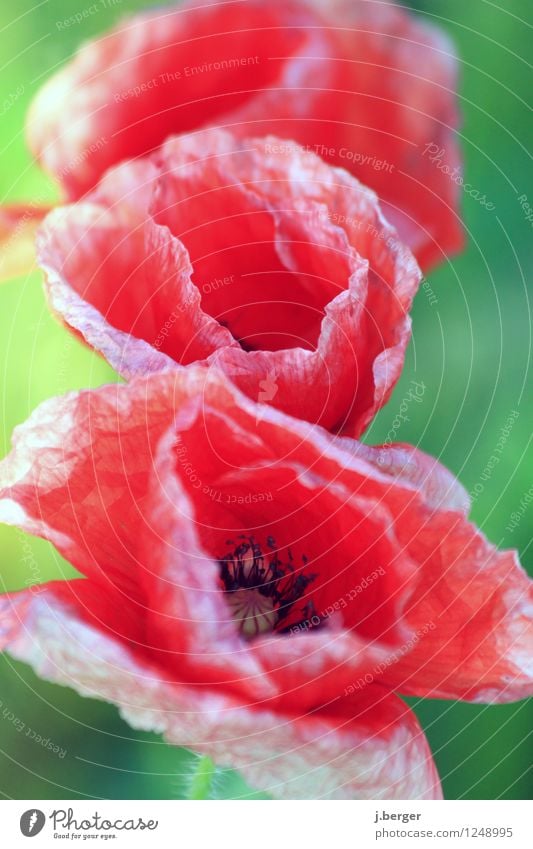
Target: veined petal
pixel 18 226
pixel 250 255
pixel 366 748
pixel 368 86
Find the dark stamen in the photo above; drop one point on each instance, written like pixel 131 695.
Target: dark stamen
pixel 261 589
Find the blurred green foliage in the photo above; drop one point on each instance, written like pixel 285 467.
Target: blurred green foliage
pixel 471 349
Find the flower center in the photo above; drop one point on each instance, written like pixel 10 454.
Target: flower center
pixel 262 590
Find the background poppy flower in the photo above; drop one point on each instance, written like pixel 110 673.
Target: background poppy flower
pixel 253 254
pixel 366 85
pixel 255 588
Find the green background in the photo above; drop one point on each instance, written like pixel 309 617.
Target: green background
pixel 471 348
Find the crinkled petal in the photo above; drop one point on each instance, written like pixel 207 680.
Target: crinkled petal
pixel 367 85
pixel 309 667
pixel 92 473
pixel 133 483
pixel 470 606
pixel 409 466
pixel 397 77
pixel 263 261
pixel 152 316
pixel 366 748
pixel 478 603
pixel 59 483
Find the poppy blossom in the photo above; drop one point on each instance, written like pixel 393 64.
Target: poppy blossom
pixel 255 588
pixel 252 254
pixel 366 85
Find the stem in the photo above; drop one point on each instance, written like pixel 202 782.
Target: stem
pixel 201 779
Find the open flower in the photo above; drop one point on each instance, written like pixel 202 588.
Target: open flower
pixel 255 588
pixel 366 85
pixel 252 254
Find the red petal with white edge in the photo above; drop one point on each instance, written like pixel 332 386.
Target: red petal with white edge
pixel 367 85
pixel 58 483
pixel 18 225
pixel 480 602
pixel 397 76
pixel 80 475
pixel 409 466
pixel 86 473
pixel 152 318
pixel 302 669
pixel 273 266
pixel 94 602
pixel 470 606
pixel 366 748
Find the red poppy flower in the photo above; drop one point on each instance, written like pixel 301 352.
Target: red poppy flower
pixel 366 85
pixel 249 253
pixel 255 588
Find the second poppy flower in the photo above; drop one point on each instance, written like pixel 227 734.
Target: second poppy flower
pixel 252 254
